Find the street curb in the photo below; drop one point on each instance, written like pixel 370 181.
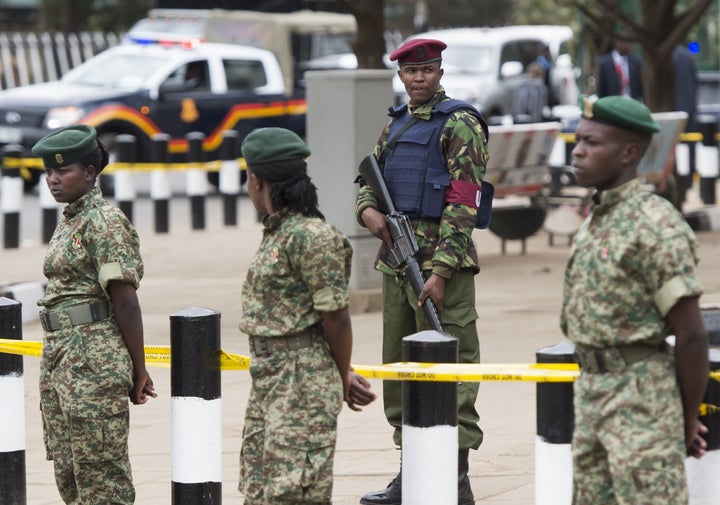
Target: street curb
pixel 28 294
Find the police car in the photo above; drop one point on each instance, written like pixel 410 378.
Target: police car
pixel 150 87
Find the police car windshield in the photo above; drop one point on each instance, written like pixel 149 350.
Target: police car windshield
pixel 119 71
pixel 472 59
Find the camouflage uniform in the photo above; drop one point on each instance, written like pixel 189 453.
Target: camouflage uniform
pixel 632 260
pixel 300 270
pixel 86 370
pixel 445 248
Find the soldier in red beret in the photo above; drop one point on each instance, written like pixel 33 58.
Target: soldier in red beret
pixel 433 154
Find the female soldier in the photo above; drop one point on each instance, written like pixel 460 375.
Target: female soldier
pixel 295 310
pixel 93 353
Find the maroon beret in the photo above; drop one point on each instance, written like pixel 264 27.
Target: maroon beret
pixel 418 51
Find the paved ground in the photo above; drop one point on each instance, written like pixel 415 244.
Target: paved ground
pixel 518 302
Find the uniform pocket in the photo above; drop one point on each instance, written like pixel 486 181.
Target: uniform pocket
pixel 99 430
pixel 460 316
pixel 299 461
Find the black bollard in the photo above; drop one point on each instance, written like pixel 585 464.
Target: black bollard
pixel 196 179
pixel 13 488
pixel 12 195
pixel 229 179
pixel 196 420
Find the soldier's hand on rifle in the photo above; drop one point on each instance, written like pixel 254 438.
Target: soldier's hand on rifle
pixel 375 222
pixel 434 289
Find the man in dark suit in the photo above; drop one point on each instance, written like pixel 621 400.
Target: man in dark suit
pixel 620 72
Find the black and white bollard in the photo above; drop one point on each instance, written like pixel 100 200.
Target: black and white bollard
pixel 229 177
pixel 160 189
pixel 125 194
pixel 12 410
pixel 197 184
pixel 11 188
pixel 708 159
pixel 555 422
pixel 430 430
pixel 195 412
pixel 50 209
pixel 702 474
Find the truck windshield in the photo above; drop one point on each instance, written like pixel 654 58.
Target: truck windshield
pixel 119 71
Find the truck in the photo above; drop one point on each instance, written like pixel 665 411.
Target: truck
pixel 174 79
pixel 301 40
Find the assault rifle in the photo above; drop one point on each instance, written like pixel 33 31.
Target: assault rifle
pixel 403 237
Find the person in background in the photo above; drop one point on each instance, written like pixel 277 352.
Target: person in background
pixel 93 355
pixel 530 99
pixel 544 59
pixel 619 72
pixel 295 310
pixel 433 138
pixel 631 279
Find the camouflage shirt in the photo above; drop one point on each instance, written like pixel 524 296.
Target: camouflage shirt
pixel 93 244
pixel 301 269
pixel 446 246
pixel 633 258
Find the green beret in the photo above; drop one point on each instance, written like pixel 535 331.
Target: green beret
pixel 620 111
pixel 273 144
pixel 66 146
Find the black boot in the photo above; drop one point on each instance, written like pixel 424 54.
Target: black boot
pixel 465 494
pixel 391 495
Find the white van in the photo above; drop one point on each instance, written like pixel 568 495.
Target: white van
pixel 483 66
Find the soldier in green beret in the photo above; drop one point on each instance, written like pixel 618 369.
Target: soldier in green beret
pixel 295 310
pixel 93 354
pixel 631 278
pixel 433 153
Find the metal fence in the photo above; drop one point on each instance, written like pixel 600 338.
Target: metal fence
pixel 30 58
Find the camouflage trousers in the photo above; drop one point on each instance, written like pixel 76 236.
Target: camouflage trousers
pixel 403 317
pixel 290 428
pixel 85 376
pixel 629 439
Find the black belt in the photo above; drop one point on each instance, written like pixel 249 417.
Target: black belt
pixel 82 313
pixel 608 359
pixel 265 346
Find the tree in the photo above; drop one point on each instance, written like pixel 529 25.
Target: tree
pixel 656 25
pixel 369 46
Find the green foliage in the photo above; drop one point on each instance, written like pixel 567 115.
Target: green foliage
pixel 92 15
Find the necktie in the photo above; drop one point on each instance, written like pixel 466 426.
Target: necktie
pixel 624 81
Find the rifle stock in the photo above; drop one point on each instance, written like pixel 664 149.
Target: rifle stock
pixel 404 245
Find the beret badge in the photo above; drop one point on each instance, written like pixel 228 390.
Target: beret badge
pixel 588 107
pixel 59 158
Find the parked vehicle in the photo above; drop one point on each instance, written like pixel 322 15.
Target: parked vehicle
pixel 483 66
pixel 300 40
pixel 149 88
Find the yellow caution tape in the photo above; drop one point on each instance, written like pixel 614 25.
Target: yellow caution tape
pixel 708 409
pixel 27 164
pixel 9 346
pixel 466 372
pixel 159 356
